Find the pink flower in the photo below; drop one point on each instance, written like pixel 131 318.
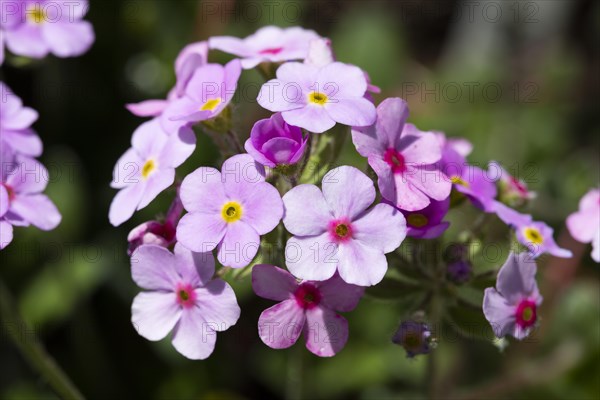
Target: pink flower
pixel 428 223
pixel 513 191
pixel 335 231
pixel 404 158
pixel 268 44
pixel 15 124
pixel 315 98
pixel 306 306
pixel 181 297
pixel 584 225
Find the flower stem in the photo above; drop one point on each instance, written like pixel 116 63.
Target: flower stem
pixel 31 348
pixel 295 373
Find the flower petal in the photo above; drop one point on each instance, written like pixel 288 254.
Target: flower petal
pixel 217 304
pixel 195 268
pixel 154 314
pixel 348 191
pixel 148 108
pixel 153 268
pixel 69 38
pixel 360 264
pixel 156 183
pixel 382 227
pixel 38 210
pixel 499 313
pixel 201 232
pixel 125 203
pixel 352 112
pixel 272 283
pixel 202 191
pixel 193 337
pixel 239 246
pixel 312 258
pixel 326 332
pixel 280 326
pixel 6 234
pixel 262 207
pixel 516 278
pixel 306 211
pixel 310 117
pixel 339 295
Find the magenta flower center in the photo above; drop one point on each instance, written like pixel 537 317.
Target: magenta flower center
pixel 307 296
pixel 186 296
pixel 520 187
pixel 526 313
pixel 395 160
pixel 340 230
pixel 272 51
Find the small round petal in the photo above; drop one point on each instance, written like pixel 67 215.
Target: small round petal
pixel 392 114
pixel 26 40
pixel 273 283
pixel 201 232
pixel 30 176
pixel 352 112
pixel 312 258
pixel 202 191
pixel 407 196
pixel 583 226
pixel 276 95
pixel 499 313
pixel 156 183
pixel 6 234
pixel 20 119
pixel 148 108
pixel 342 81
pixel 516 278
pixel 217 304
pixel 313 118
pixel 280 326
pixel 197 269
pixel 25 141
pixel 422 148
pixel 239 174
pixel 4 199
pixel 431 181
pixel 339 295
pixel 360 264
pixel 38 210
pixel 124 204
pixel 154 314
pixel 348 191
pixel 127 170
pixel 306 211
pixel 326 332
pixel 178 147
pixel 382 227
pixel 193 337
pixel 239 246
pixel 262 207
pixel 152 268
pixel 68 39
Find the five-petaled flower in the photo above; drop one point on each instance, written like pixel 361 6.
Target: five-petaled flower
pixel 584 225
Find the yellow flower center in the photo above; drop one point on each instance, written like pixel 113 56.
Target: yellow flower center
pixel 341 230
pixel 533 235
pixel 459 181
pixel 317 98
pixel 417 220
pixel 527 314
pixel 148 168
pixel 231 212
pixel 211 104
pixel 35 15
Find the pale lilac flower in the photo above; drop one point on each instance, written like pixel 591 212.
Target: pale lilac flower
pixel 273 142
pixel 414 337
pixel 476 184
pixel 428 223
pixel 39 27
pixel 513 191
pixel 181 297
pixel 192 57
pixel 268 44
pixel 511 307
pixel 307 307
pixel 536 236
pixel 147 168
pixel 22 203
pixel 208 92
pixel 454 149
pixel 584 225
pixel 334 230
pixel 404 158
pixel 315 98
pixel 15 124
pixel 228 210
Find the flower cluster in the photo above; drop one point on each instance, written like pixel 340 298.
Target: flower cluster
pixel 336 233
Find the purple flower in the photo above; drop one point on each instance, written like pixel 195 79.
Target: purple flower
pixel 511 307
pixel 273 142
pixel 181 297
pixel 15 124
pixel 513 191
pixel 308 307
pixel 427 223
pixel 268 44
pixel 192 57
pixel 228 210
pixel 475 184
pixel 404 158
pixel 334 231
pixel 39 27
pixel 414 337
pixel 147 168
pixel 22 203
pixel 536 236
pixel 208 92
pixel 584 225
pixel 454 150
pixel 315 98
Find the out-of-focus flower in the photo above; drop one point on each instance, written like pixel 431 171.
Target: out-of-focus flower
pixel 414 337
pixel 268 44
pixel 15 124
pixel 273 142
pixel 475 184
pixel 428 223
pixel 35 28
pixel 459 271
pixel 181 297
pixel 334 231
pixel 208 92
pixel 22 203
pixel 512 191
pixel 147 168
pixel 511 307
pixel 228 210
pixel 404 158
pixel 306 306
pixel 584 225
pixel 316 98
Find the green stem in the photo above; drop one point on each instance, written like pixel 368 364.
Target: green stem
pixel 31 348
pixel 295 374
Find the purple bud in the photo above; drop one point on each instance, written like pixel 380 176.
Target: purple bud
pixel 414 337
pixel 459 271
pixel 151 232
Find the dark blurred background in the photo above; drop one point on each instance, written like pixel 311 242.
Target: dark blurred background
pixel 517 78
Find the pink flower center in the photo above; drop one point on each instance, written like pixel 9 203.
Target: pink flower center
pixel 10 190
pixel 340 230
pixel 186 296
pixel 526 313
pixel 307 296
pixel 395 160
pixel 271 51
